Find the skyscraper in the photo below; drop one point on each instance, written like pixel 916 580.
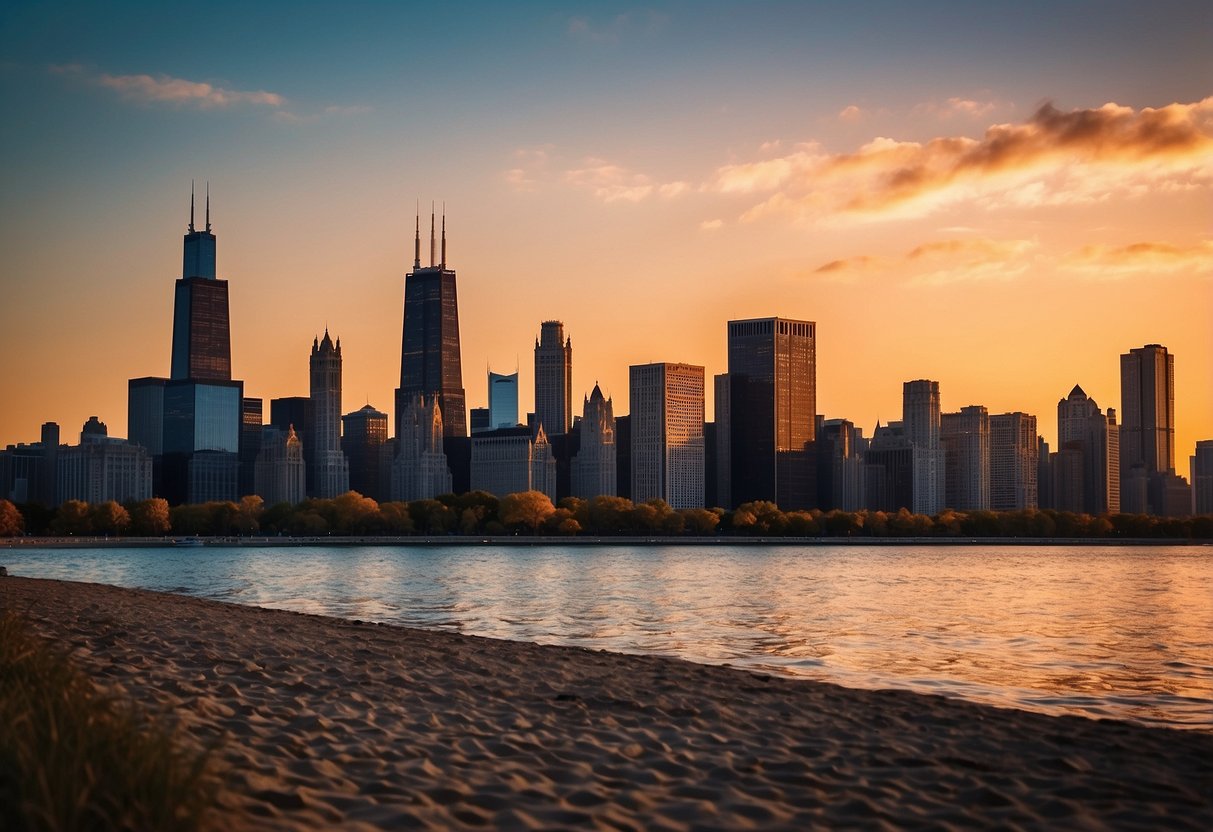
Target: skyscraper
pixel 201 335
pixel 594 465
pixel 503 400
pixel 191 422
pixel 965 437
pixel 330 469
pixel 363 436
pixel 1013 460
pixel 1201 470
pixel 920 422
pixel 1147 430
pixel 429 354
pixel 772 414
pixel 420 470
pixel 554 378
pixel 667 434
pixel 1092 437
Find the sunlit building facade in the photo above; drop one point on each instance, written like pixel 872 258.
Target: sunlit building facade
pixel 1013 461
pixel 594 466
pixel 965 437
pixel 513 460
pixel 554 378
pixel 667 434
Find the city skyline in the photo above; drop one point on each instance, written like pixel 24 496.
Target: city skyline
pixel 1009 284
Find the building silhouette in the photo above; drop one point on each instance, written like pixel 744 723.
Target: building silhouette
pixel 419 470
pixel 280 471
pixel 1013 460
pixel 252 413
pixel 889 469
pixel 429 354
pixel 554 378
pixel 503 400
pixel 840 465
pixel 594 466
pixel 29 471
pixel 363 437
pixel 965 437
pixel 1147 430
pixel 1086 467
pixel 1201 471
pixel 772 412
pixel 330 469
pixel 667 434
pixel 920 418
pixel 512 460
pixel 192 421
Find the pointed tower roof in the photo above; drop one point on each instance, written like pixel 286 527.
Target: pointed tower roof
pixel 1077 391
pixel 596 394
pixel 327 343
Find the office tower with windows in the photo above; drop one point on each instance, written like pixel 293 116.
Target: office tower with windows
pixel 667 434
pixel 330 469
pixel 965 437
pixel 554 378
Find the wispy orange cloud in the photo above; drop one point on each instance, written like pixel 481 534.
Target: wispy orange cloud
pixel 942 261
pixel 165 89
pixel 1052 158
pixel 1141 258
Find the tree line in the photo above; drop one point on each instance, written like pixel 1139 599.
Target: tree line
pixel 532 513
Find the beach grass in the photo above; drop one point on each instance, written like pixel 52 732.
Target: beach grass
pixel 74 757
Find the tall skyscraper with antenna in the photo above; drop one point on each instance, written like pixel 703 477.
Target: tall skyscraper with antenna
pixel 191 421
pixel 429 353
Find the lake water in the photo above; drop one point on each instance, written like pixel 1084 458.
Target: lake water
pixel 1123 632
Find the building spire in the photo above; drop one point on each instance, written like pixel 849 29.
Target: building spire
pixel 444 235
pixel 208 206
pixel 191 206
pixel 432 244
pixel 417 242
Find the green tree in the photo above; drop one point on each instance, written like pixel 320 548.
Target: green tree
pixel 277 518
pixel 11 521
pixel 526 509
pixel 355 514
pixel 190 519
pixel 609 515
pixel 700 521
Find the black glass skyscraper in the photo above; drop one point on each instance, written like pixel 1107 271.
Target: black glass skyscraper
pixel 772 413
pixel 429 354
pixel 202 347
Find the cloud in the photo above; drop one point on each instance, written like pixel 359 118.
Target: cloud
pixel 1145 258
pixel 165 89
pixel 850 114
pixel 941 261
pixel 646 23
pixel 711 225
pixel 1055 157
pixel 610 182
pixel 959 107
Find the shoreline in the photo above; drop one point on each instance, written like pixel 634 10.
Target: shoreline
pixel 328 722
pixel 580 540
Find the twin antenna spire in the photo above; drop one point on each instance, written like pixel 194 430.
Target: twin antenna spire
pixel 433 245
pixel 208 206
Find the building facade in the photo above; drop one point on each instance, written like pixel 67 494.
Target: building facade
pixel 772 412
pixel 103 468
pixel 667 434
pixel 330 469
pixel 280 471
pixel 1201 471
pixel 1147 430
pixel 1013 460
pixel 513 460
pixel 1093 434
pixel 503 400
pixel 840 465
pixel 554 378
pixel 965 437
pixel 920 418
pixel 363 436
pixel 419 469
pixel 594 465
pixel 430 363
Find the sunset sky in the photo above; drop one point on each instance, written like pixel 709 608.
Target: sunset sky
pixel 1002 199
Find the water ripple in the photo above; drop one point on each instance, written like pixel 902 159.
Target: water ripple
pixel 1122 632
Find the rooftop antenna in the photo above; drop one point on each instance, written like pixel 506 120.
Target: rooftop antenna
pixel 417 243
pixel 208 206
pixel 444 235
pixel 432 243
pixel 191 206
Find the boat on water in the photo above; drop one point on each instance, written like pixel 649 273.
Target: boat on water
pixel 189 541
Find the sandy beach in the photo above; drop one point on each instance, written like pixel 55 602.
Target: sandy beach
pixel 325 723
